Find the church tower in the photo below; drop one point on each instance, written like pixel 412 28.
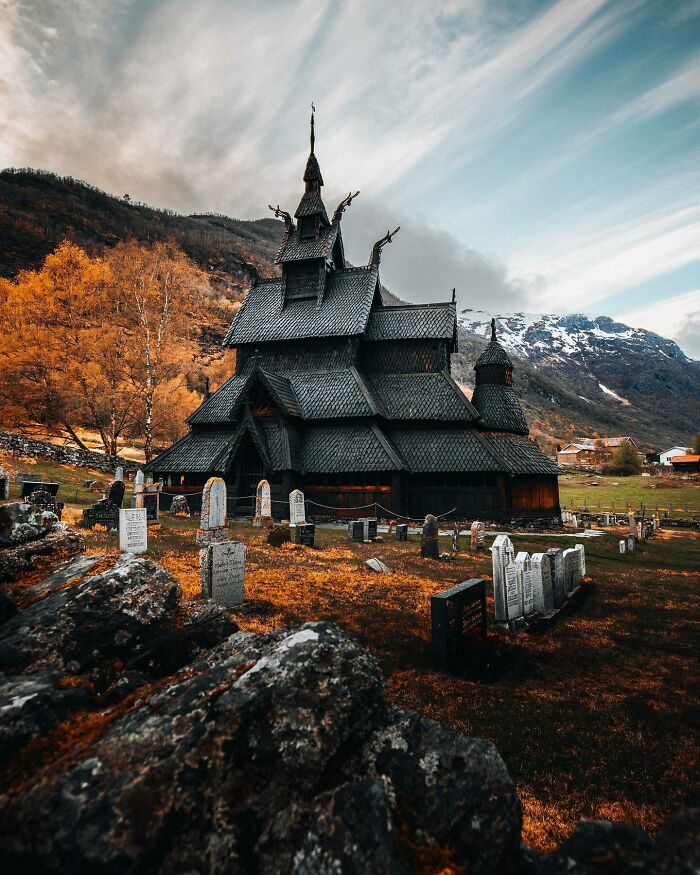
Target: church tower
pixel 494 396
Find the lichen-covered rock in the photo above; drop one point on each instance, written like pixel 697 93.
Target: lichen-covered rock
pixel 18 560
pixel 104 616
pixel 23 521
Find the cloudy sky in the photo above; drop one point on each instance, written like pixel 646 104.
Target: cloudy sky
pixel 539 156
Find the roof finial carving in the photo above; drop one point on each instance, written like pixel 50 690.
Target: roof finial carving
pixel 313 138
pixel 493 329
pixel 342 206
pixel 283 214
pixel 380 244
pixel 454 295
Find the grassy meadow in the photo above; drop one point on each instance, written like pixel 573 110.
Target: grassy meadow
pixel 596 492
pixel 596 717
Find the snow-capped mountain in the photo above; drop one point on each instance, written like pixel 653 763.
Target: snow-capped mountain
pixel 576 373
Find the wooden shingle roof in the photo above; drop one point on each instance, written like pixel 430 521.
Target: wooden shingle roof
pixel 348 448
pixel 422 396
pixel 499 409
pixel 428 450
pixel 520 455
pixel 412 322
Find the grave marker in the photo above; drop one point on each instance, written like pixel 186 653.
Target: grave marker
pixel 581 559
pixel 263 505
pixel 556 561
pixel 212 526
pixel 133 530
pixel 623 547
pixel 514 593
pixel 458 622
pixel 356 530
pixel 119 473
pixel 455 539
pixel 279 535
pixel 478 535
pixel 297 508
pixel 401 532
pixel 179 506
pixel 522 561
pixel 429 544
pixel 222 573
pixel 572 576
pixel 502 553
pixel 542 593
pixel 139 489
pixel 630 543
pixel 377 565
pixel 305 534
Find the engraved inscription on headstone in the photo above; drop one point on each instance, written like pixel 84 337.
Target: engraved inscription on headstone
pixel 502 553
pixel 522 561
pixel 572 577
pixel 297 508
pixel 133 530
pixel 556 560
pixel 222 572
pixel 514 592
pixel 429 545
pixel 542 594
pixel 458 623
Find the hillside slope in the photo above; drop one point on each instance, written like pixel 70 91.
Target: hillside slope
pixel 574 374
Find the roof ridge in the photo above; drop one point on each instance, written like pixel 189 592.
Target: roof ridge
pixel 432 305
pixel 462 397
pixel 389 448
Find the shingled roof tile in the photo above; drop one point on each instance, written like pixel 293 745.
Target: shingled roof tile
pixel 445 450
pixel 411 322
pixel 422 396
pixel 341 449
pixel 499 409
pixel 520 454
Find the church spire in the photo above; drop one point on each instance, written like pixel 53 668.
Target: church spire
pixel 313 138
pixel 493 330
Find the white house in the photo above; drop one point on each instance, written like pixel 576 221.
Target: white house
pixel 665 458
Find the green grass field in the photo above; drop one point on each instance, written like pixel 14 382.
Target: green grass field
pixel 678 497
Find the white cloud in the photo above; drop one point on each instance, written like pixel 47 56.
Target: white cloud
pixel 677 317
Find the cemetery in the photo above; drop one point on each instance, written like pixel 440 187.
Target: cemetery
pixel 450 628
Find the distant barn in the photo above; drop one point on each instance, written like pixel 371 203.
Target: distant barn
pixel 352 400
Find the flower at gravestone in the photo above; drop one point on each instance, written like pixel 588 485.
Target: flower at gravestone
pixel 429 545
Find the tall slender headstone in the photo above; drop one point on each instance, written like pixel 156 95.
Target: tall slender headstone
pixel 542 593
pixel 478 535
pixel 263 506
pixel 429 544
pixel 455 539
pixel 212 525
pixel 632 521
pixel 514 592
pixel 623 547
pixel 119 473
pixel 502 554
pixel 581 559
pixel 630 543
pixel 556 561
pixel 572 577
pixel 297 508
pixel 139 489
pixel 522 561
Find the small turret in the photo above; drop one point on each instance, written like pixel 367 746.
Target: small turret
pixel 493 396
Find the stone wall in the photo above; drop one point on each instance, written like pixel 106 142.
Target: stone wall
pixel 32 448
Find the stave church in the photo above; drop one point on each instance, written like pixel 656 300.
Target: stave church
pixel 351 400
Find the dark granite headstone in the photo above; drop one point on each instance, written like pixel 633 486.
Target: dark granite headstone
pixel 102 513
pixel 356 530
pixel 401 533
pixel 278 536
pixel 429 545
pixel 151 502
pixel 46 501
pixel 29 486
pixel 305 534
pixel 116 493
pixel 458 620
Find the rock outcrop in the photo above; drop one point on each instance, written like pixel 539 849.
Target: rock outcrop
pixel 28 532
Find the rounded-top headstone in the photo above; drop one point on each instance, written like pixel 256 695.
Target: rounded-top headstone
pixel 116 493
pixel 119 473
pixel 139 478
pixel 429 545
pixel 214 504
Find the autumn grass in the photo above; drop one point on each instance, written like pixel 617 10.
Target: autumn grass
pixel 678 497
pixel 598 716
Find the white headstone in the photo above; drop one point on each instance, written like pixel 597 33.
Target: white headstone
pixel 514 592
pixel 574 521
pixel 556 562
pixel 213 504
pixel 297 509
pixel 139 478
pixel 502 553
pixel 522 561
pixel 119 473
pixel 222 572
pixel 542 593
pixel 377 565
pixel 623 547
pixel 581 559
pixel 630 543
pixel 133 530
pixel 572 577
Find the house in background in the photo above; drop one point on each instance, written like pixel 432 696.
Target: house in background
pixel 667 456
pixel 689 462
pixel 592 451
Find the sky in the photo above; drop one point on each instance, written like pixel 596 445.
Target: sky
pixel 538 156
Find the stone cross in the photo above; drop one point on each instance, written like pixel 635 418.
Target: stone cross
pixel 429 545
pixel 502 553
pixel 263 506
pixel 297 508
pixel 212 526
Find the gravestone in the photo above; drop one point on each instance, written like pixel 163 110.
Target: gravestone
pixel 377 565
pixel 502 554
pixel 151 501
pixel 429 545
pixel 556 561
pixel 572 577
pixel 623 547
pixel 133 530
pixel 116 493
pixel 401 532
pixel 222 573
pixel 27 478
pixel 458 625
pixel 455 539
pixel 574 520
pixel 297 508
pixel 279 535
pixel 369 528
pixel 581 559
pixel 631 543
pixel 29 486
pixel 514 593
pixel 263 506
pixel 212 526
pixel 46 501
pixel 305 534
pixel 522 561
pixel 139 488
pixel 542 593
pixel 478 535
pixel 179 506
pixel 356 530
pixel 119 473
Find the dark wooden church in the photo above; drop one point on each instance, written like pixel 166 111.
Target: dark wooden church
pixel 352 401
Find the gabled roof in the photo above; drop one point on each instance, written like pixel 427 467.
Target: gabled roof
pixel 221 405
pixel 296 248
pixel 499 409
pixel 432 450
pixel 333 394
pixel 341 449
pixel 412 321
pixel 198 452
pixel 422 396
pixel 344 310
